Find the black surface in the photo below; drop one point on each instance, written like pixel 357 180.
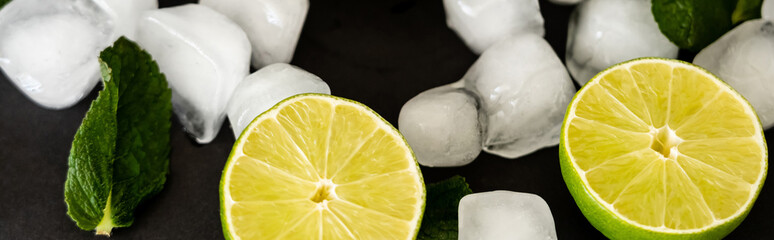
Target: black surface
pixel 380 53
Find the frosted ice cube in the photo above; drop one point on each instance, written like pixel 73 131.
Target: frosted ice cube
pixel 605 32
pixel 565 2
pixel 273 26
pixel 482 23
pixel 442 127
pixel 744 58
pixel 49 48
pixel 524 91
pixel 267 87
pixel 204 56
pixel 126 13
pixel 767 9
pixel 505 215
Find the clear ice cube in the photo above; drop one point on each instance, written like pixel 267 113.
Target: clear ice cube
pixel 126 13
pixel 744 58
pixel 605 32
pixel 505 215
pixel 482 23
pixel 267 87
pixel 204 55
pixel 442 126
pixel 273 26
pixel 49 48
pixel 524 91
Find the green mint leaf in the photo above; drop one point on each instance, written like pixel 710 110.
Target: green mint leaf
pixel 144 113
pixel 443 200
pixel 3 3
pixel 693 24
pixel 120 154
pixel 746 10
pixel 90 171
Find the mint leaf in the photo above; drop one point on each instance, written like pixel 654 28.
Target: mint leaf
pixel 144 113
pixel 746 10
pixel 90 172
pixel 694 24
pixel 120 154
pixel 443 200
pixel 3 3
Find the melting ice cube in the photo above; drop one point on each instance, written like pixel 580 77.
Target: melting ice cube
pixel 524 91
pixel 442 126
pixel 49 48
pixel 606 32
pixel 267 87
pixel 273 26
pixel 204 55
pixel 505 215
pixel 482 23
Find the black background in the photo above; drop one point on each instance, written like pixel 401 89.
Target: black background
pixel 380 53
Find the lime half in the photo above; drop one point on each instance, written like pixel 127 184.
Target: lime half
pixel 321 167
pixel 658 148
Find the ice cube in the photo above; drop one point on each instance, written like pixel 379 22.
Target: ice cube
pixel 482 23
pixel 273 26
pixel 49 48
pixel 126 13
pixel 767 10
pixel 524 91
pixel 505 215
pixel 267 87
pixel 565 2
pixel 605 32
pixel 442 127
pixel 744 58
pixel 204 56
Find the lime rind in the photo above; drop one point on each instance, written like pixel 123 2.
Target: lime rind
pixel 224 208
pixel 615 226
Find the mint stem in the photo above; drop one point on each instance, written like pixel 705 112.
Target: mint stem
pixel 106 225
